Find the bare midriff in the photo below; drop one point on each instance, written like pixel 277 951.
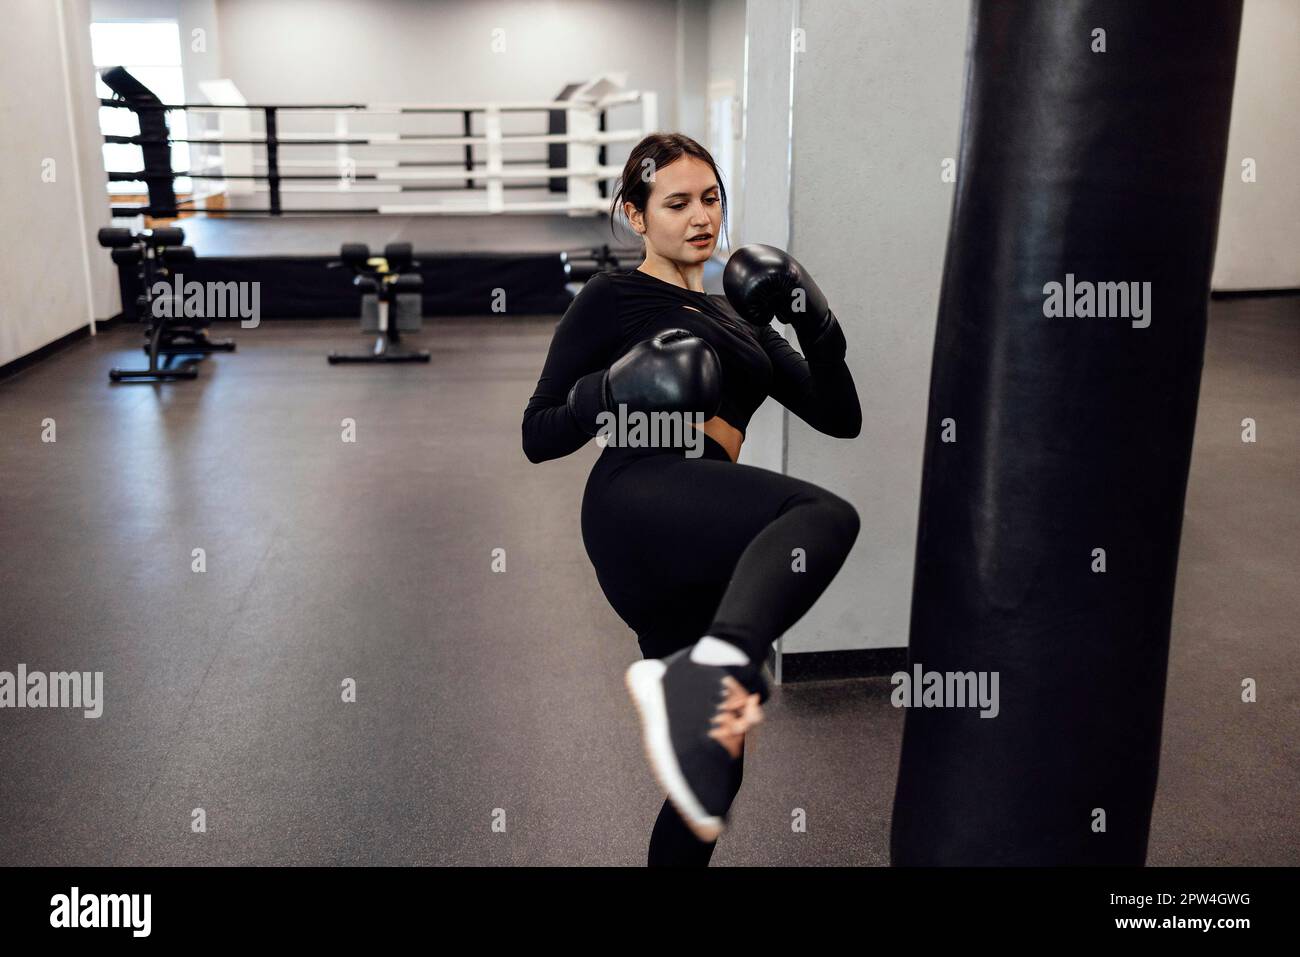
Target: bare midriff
pixel 725 434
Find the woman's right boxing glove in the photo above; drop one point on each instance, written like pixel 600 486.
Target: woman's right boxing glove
pixel 674 371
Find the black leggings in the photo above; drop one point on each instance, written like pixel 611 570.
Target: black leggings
pixel 687 547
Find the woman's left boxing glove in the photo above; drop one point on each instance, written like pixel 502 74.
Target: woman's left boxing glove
pixel 763 281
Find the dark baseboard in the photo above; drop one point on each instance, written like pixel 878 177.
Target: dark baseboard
pixel 838 665
pixel 10 369
pixel 1253 293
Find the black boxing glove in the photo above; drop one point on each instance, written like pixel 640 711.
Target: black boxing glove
pixel 763 281
pixel 674 371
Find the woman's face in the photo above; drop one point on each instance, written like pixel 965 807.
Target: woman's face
pixel 683 214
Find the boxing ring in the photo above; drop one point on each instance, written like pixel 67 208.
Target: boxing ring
pixel 287 184
pixel 574 169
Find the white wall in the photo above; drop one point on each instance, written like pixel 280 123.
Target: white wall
pixel 1259 225
pixel 764 183
pixel 692 69
pixel 726 59
pixel 313 51
pixel 877 107
pixel 53 277
pixel 305 50
pixel 727 41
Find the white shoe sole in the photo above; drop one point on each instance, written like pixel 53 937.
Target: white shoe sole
pixel 645 685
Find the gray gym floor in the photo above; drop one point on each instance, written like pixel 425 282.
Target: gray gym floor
pixel 476 691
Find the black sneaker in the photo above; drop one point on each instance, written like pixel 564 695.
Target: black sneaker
pixel 695 707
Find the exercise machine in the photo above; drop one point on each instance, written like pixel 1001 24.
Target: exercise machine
pixel 582 264
pixel 169 334
pixel 391 301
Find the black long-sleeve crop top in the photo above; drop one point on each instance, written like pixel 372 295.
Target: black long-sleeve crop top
pixel 616 310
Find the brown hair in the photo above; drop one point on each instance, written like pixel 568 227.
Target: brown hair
pixel 658 150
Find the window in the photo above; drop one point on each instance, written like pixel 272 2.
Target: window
pixel 150 50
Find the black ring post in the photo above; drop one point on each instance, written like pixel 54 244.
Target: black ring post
pixel 469 148
pixel 155 146
pixel 272 161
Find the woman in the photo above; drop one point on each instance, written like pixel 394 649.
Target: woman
pixel 708 561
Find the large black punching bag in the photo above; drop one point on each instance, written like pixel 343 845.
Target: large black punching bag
pixel 1062 405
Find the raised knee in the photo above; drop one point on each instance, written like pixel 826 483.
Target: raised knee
pixel 843 517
